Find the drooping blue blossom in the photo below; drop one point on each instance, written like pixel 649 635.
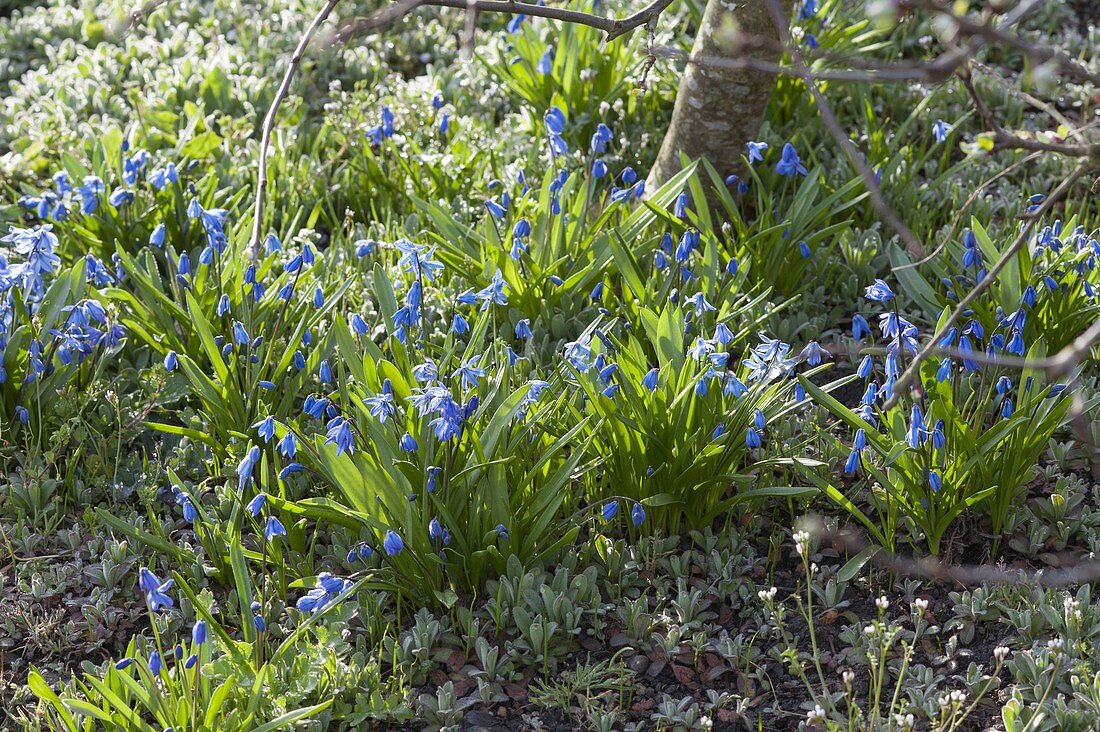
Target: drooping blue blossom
pixel 940 130
pixel 756 151
pixel 156 592
pixel 879 292
pixel 246 465
pixel 256 504
pixel 392 543
pixel 915 435
pixel 752 438
pixel 273 528
pixel 813 353
pixel 327 589
pixel 266 428
pixel 339 433
pixel 789 163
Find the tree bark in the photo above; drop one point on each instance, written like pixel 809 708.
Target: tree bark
pixel 718 110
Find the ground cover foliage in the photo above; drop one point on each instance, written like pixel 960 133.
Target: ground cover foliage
pixel 490 434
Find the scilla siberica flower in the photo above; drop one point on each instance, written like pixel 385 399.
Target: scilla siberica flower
pixel 392 543
pixel 328 588
pixel 609 510
pixel 879 292
pixel 338 432
pixel 246 465
pixel 155 590
pixel 789 163
pixel 273 528
pixel 256 504
pixel 756 151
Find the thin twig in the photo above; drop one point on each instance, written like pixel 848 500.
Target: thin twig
pixel 967 575
pixel 612 27
pixel 913 369
pixel 950 235
pixel 269 123
pixel 912 244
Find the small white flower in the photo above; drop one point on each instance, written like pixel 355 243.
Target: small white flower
pixel 801 542
pixel 1000 653
pixel 767 595
pixel 848 677
pixel 870 630
pixel 905 721
pixel 920 604
pixel 883 603
pixel 816 715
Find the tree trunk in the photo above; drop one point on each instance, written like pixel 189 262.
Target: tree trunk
pixel 718 110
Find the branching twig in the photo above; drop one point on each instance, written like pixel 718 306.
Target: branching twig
pixel 911 372
pixel 967 575
pixel 612 27
pixel 269 124
pixel 912 244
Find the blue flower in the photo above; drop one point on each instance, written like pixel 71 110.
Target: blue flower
pixel 266 428
pixel 459 324
pixel 170 361
pixel 934 481
pixel 813 353
pixel 866 366
pixel 256 504
pixel 408 443
pixel 244 468
pixel 546 61
pixel 609 510
pixel 523 329
pixel 938 438
pixel 155 590
pixel 157 237
pixel 879 292
pixel 637 514
pixel 916 428
pixel 392 543
pixel 338 432
pixel 327 589
pixel 156 664
pixel 940 130
pixel 789 163
pixel 851 465
pixel 120 197
pixel 943 373
pixel 469 373
pixel 198 633
pixel 752 438
pixel 756 151
pixel 273 528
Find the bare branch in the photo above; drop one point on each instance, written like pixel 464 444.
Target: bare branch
pixel 269 123
pixel 967 575
pixel 911 372
pixel 612 27
pixel 990 32
pixel 912 244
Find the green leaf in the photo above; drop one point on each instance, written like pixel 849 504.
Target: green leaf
pixel 201 145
